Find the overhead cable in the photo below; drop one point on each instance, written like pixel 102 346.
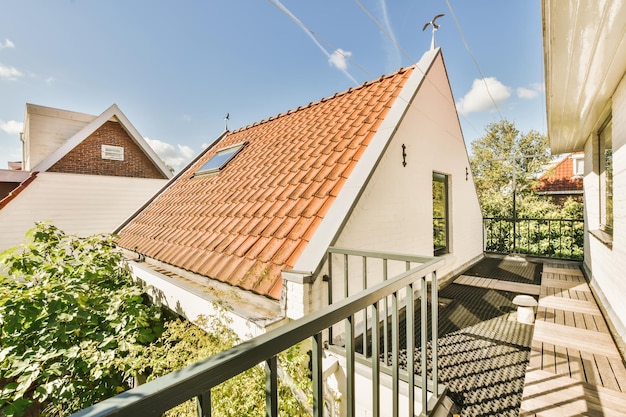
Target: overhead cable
pixel 458 25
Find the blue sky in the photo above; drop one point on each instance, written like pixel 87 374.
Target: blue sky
pixel 177 68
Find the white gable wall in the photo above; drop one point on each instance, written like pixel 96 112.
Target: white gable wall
pixel 77 204
pixel 394 210
pixel 394 214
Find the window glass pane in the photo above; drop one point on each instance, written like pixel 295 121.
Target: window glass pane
pixel 218 160
pixel 606 177
pixel 440 213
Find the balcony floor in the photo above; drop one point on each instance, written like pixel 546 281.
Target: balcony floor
pixel 575 367
pixel 565 364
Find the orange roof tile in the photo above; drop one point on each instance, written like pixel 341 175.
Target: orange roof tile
pixel 247 223
pixel 561 178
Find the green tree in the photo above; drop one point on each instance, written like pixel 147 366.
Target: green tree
pixel 70 318
pixel 503 158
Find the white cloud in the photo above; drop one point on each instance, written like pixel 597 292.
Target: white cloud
pixel 526 93
pixel 10 73
pixel 339 59
pixel 174 156
pixel 530 93
pixel 11 127
pixel 6 44
pixel 481 98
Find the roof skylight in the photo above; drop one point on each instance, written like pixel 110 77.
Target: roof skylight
pixel 219 160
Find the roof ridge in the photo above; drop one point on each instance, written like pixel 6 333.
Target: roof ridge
pixel 324 99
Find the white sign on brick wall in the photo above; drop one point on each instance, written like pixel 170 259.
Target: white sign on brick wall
pixel 115 153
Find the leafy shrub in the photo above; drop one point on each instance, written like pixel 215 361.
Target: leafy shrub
pixel 70 317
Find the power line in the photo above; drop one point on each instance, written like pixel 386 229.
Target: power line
pixel 318 40
pixel 458 25
pixel 384 31
pixel 413 61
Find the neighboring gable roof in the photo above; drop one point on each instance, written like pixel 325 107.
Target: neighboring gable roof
pixel 561 179
pixel 113 112
pixel 253 219
pixel 17 190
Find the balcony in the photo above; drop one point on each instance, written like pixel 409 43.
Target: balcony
pixel 552 238
pixel 362 328
pixel 478 358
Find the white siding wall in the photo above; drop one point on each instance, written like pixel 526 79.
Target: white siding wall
pixel 77 204
pixel 47 129
pixel 607 266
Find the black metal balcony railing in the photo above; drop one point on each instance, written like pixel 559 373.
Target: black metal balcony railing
pixel 554 238
pixel 197 380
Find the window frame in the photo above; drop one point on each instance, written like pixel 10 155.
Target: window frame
pixel 605 164
pixel 212 166
pixel 438 177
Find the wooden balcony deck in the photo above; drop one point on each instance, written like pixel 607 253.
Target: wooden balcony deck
pixel 575 367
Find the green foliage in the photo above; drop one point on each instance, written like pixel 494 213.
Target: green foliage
pixel 542 229
pixel 505 160
pixel 502 158
pixel 184 343
pixel 75 329
pixel 71 317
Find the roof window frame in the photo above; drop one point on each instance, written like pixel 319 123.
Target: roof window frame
pixel 228 153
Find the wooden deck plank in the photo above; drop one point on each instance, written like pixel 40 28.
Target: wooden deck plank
pixel 495 284
pixel 592 373
pixel 548 362
pixel 601 324
pixel 587 340
pixel 564 271
pixel 565 285
pixel 576 368
pixel 579 306
pixel 549 395
pixel 606 373
pixel 619 370
pixel 536 355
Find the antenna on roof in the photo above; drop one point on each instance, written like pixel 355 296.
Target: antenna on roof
pixel 435 27
pixel 226 118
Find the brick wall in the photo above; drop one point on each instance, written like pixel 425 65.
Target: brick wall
pixel 86 158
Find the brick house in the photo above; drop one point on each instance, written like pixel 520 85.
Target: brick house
pixel 380 167
pixel 86 174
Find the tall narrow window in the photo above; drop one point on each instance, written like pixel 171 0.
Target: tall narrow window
pixel 606 176
pixel 440 213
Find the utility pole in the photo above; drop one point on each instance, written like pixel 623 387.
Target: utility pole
pixel 513 158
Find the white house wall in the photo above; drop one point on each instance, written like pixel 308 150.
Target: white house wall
pixel 604 264
pixel 77 204
pixel 47 129
pixel 394 213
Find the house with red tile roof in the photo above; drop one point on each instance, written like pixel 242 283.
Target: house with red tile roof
pixel 380 167
pixel 85 174
pixel 564 179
